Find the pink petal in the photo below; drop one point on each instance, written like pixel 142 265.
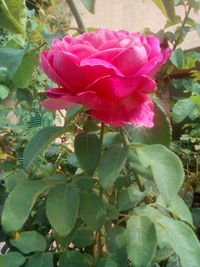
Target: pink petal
pixel 95 68
pixel 82 51
pixel 50 71
pixel 67 67
pixel 154 43
pixel 135 109
pixel 119 87
pixel 130 60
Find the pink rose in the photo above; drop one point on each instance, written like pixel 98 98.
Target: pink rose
pixel 109 72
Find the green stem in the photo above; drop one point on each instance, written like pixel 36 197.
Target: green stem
pixel 124 137
pixel 140 182
pixel 76 15
pixel 102 133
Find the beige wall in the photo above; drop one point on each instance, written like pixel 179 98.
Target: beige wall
pixel 132 15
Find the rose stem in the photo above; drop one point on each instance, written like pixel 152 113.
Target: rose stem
pixel 76 15
pixel 138 178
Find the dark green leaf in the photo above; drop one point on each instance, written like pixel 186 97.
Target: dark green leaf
pixel 159 134
pixel 116 244
pixel 87 149
pixel 91 201
pixel 12 259
pixel 40 260
pixel 19 204
pixel 30 241
pixel 14 179
pixel 166 168
pixel 62 208
pixel 111 163
pixel 196 216
pixel 83 238
pixel 39 142
pixel 141 240
pixel 71 113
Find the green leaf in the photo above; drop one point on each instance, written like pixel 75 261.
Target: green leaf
pixel 159 134
pixel 23 75
pixel 40 260
pixel 129 197
pixel 39 143
pixel 160 5
pixel 62 208
pixel 11 58
pixel 170 9
pixel 92 210
pixel 111 163
pixel 14 179
pixel 175 234
pixel 141 240
pixel 71 113
pixel 177 207
pixel 182 109
pixel 10 13
pixel 87 149
pixel 21 199
pixel 12 259
pixel 166 168
pixel 196 216
pixel 116 244
pixel 29 241
pixel 89 4
pixel 4 91
pixel 184 60
pixel 137 165
pixel 83 237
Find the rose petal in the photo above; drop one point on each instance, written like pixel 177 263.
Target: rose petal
pixel 135 109
pixel 119 87
pixel 130 60
pixel 67 67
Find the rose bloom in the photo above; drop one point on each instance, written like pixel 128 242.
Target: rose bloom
pixel 109 72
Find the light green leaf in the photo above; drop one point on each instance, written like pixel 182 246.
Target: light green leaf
pixel 170 9
pixel 129 197
pixel 11 12
pixel 89 4
pixel 87 149
pixel 29 241
pixel 182 109
pixel 19 204
pixel 4 91
pixel 39 143
pixel 14 179
pixel 12 259
pixel 111 163
pixel 141 240
pixel 166 168
pixel 177 207
pixel 159 134
pixel 11 58
pixel 23 75
pixel 62 208
pixel 175 234
pixel 91 201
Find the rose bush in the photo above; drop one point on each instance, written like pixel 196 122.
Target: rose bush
pixel 110 72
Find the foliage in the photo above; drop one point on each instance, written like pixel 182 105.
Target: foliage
pixel 85 193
